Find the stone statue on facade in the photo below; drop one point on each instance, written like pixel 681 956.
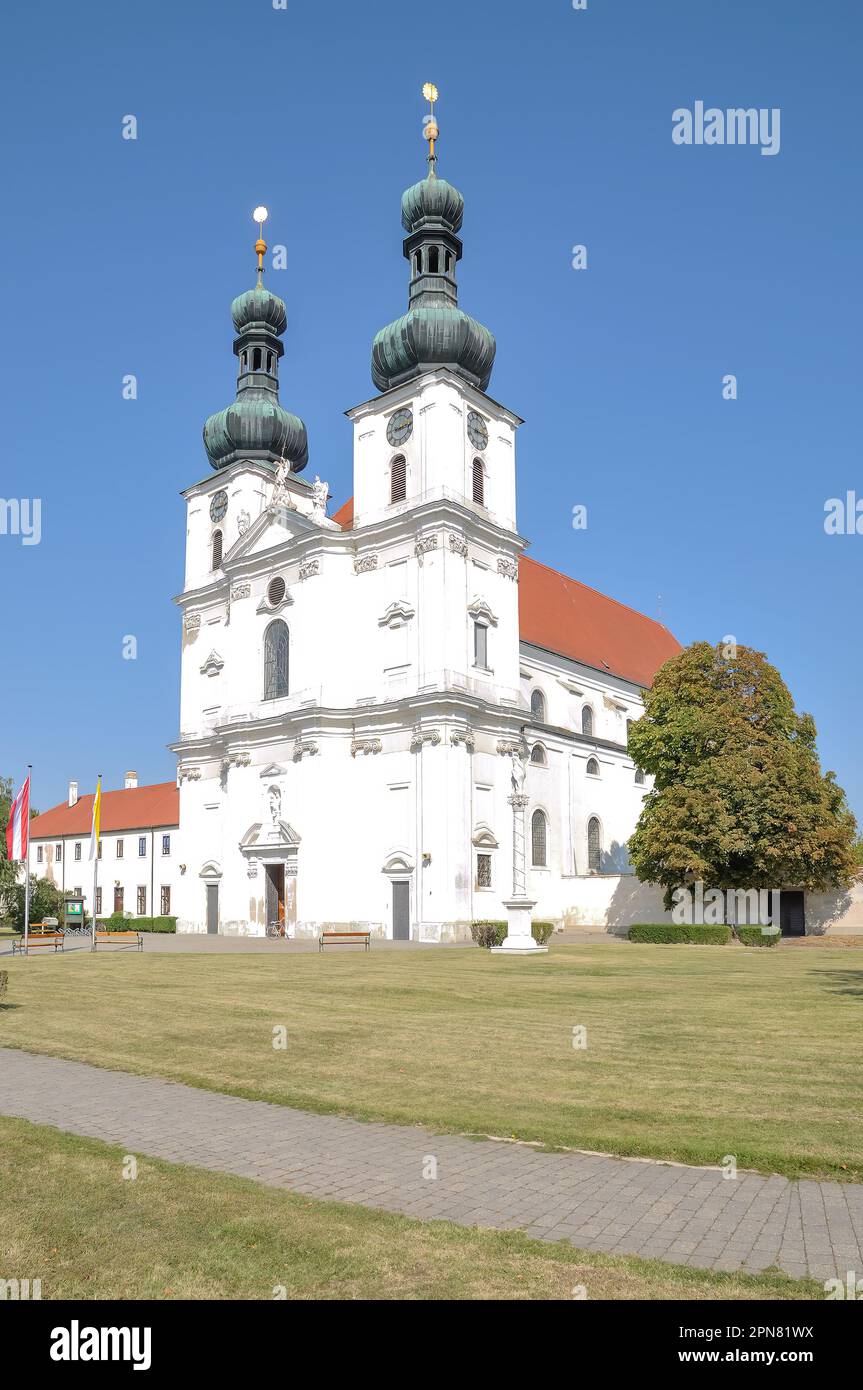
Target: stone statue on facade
pixel 320 493
pixel 281 496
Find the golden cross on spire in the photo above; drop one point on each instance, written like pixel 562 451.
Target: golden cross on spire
pixel 430 129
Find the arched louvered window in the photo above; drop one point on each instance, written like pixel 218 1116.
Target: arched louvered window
pixel 217 549
pixel 537 706
pixel 478 483
pixel 594 845
pixel 587 721
pixel 398 479
pixel 539 840
pixel 537 755
pixel 276 661
pixel 592 767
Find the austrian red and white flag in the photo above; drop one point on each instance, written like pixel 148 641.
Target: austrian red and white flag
pixel 18 829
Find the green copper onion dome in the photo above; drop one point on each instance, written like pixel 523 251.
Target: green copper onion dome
pixel 435 199
pixel 256 425
pixel 434 332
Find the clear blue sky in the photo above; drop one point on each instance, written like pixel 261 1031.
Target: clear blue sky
pixel 122 257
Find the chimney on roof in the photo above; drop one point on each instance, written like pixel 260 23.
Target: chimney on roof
pixel 131 780
pixel 73 793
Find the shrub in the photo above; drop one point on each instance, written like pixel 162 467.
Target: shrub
pixel 669 934
pixel 754 936
pixel 118 922
pixel 488 934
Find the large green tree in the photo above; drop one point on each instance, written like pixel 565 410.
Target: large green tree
pixel 739 799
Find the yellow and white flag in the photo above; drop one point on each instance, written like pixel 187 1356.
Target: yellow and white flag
pixel 97 810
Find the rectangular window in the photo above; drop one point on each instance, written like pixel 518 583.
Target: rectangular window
pixel 38 854
pixel 142 901
pixel 77 849
pixel 483 871
pixel 98 902
pixel 480 645
pixel 166 844
pixel 165 900
pixel 58 853
pixel 142 846
pixel 119 849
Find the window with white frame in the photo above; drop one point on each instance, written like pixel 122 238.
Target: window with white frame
pixel 587 721
pixel 142 846
pixel 166 844
pixel 539 840
pixel 483 870
pixel 537 706
pixel 592 767
pixel 480 645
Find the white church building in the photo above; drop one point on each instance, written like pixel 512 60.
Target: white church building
pixel 363 695
pixel 391 718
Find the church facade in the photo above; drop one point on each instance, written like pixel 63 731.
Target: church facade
pixel 390 714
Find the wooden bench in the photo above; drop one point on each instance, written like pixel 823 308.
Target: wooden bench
pixel 344 938
pixel 38 936
pixel 119 938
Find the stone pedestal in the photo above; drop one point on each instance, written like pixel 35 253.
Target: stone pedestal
pixel 518 936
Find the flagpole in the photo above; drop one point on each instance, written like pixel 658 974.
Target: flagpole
pixel 25 829
pixel 95 862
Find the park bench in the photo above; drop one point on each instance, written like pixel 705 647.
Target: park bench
pixel 344 938
pixel 39 935
pixel 119 938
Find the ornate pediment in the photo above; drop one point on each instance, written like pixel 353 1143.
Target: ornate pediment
pixel 483 836
pixel 398 613
pixel 479 608
pixel 273 837
pixel 213 665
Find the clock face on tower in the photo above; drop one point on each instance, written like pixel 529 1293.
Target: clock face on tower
pixel 218 506
pixel 400 427
pixel 477 430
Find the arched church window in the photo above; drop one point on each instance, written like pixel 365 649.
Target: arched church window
pixel 539 840
pixel 592 767
pixel 217 549
pixel 639 777
pixel 537 706
pixel 398 479
pixel 587 721
pixel 478 492
pixel 276 661
pixel 537 755
pixel 594 845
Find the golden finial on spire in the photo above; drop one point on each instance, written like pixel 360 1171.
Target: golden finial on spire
pixel 430 129
pixel 260 216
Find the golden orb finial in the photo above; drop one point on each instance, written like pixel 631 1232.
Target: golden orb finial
pixel 430 129
pixel 260 216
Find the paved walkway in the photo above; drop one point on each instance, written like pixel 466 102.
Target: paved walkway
pixel 686 1215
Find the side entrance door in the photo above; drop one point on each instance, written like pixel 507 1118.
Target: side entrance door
pixel 401 910
pixel 118 901
pixel 212 908
pixel 792 916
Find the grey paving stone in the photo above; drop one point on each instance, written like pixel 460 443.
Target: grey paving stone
pixel 662 1211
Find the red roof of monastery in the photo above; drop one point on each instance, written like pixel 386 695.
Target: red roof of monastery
pixel 138 808
pixel 564 616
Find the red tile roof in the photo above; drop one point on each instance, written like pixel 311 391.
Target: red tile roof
pixel 564 616
pixel 138 808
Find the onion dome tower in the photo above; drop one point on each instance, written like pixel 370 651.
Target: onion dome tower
pixel 434 332
pixel 256 426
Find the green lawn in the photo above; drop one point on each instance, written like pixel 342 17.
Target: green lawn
pixel 693 1052
pixel 177 1232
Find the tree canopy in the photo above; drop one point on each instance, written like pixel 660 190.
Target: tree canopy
pixel 739 799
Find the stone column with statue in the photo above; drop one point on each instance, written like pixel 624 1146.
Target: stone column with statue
pixel 519 939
